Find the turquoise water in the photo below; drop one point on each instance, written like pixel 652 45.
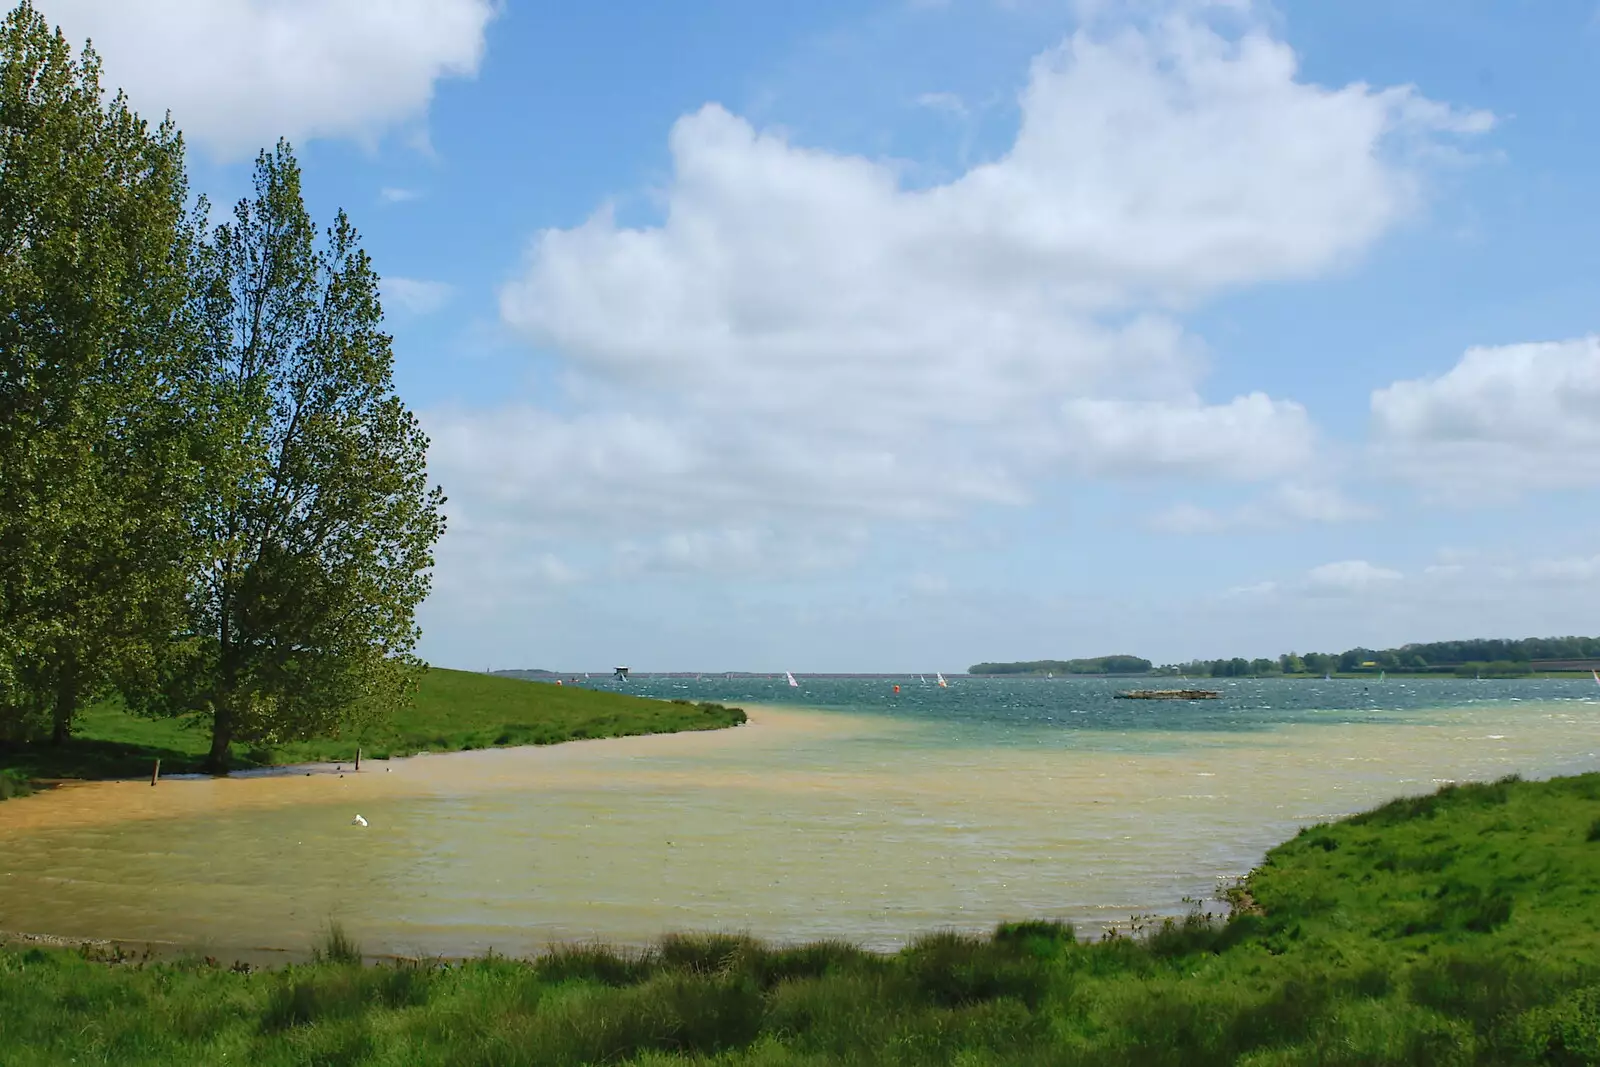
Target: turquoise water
pixel 1003 710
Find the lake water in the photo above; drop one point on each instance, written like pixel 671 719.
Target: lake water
pixel 843 810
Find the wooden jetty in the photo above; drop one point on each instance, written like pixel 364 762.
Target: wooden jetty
pixel 1169 694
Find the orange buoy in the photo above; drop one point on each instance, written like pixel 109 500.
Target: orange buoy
pixel 897 689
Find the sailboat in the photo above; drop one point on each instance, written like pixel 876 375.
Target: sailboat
pixel 793 684
pixel 1596 675
pixel 942 683
pixel 921 679
pixel 1381 674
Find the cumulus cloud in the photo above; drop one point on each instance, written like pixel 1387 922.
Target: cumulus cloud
pixel 803 334
pixel 1250 438
pixel 238 74
pixel 415 295
pixel 1503 418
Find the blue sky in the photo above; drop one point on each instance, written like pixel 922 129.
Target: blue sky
pixel 901 335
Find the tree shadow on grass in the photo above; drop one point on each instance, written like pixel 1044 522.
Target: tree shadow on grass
pixel 44 763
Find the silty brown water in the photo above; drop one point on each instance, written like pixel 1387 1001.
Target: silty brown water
pixel 870 826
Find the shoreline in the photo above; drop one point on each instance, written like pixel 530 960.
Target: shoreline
pixel 791 753
pixel 76 802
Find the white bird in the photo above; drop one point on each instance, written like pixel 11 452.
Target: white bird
pixel 358 821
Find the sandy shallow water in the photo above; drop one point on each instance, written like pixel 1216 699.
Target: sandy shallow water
pixel 800 825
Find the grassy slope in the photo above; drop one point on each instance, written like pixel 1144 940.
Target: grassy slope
pixel 1459 928
pixel 453 710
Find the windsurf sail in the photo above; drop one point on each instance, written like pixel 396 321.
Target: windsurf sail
pixel 942 683
pixel 792 682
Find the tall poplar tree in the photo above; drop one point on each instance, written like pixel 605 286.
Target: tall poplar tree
pixel 314 536
pixel 94 253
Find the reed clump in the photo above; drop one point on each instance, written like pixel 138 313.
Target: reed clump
pixel 1458 928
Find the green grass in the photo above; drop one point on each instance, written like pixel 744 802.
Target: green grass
pixel 1452 929
pixel 452 711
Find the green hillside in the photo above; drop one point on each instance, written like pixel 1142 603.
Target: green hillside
pixel 452 710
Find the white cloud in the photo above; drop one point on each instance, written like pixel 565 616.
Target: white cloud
pixel 950 103
pixel 1291 503
pixel 1253 437
pixel 416 296
pixel 1574 569
pixel 740 551
pixel 803 338
pixel 1341 578
pixel 1516 416
pixel 619 473
pixel 1348 576
pixel 393 195
pixel 238 74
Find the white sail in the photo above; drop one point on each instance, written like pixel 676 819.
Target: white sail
pixel 1596 675
pixel 792 682
pixel 942 683
pixel 1381 674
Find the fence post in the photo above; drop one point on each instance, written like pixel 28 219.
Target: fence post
pixel 155 774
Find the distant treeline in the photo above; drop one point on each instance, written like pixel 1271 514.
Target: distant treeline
pixel 1097 665
pixel 1490 657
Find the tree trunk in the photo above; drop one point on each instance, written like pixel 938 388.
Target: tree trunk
pixel 66 707
pixel 221 736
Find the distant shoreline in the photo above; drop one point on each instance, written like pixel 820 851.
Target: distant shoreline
pixel 901 676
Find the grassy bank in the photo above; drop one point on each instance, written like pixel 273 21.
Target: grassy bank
pixel 453 710
pixel 1457 928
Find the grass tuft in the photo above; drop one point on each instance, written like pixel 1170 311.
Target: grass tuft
pixel 336 946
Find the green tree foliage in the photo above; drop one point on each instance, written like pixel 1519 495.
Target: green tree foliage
pixel 315 534
pixel 1496 658
pixel 93 256
pixel 1096 665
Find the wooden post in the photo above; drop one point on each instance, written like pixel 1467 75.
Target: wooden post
pixel 155 774
pixel 358 757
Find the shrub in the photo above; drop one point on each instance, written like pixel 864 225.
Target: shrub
pixel 1566 1033
pixel 14 783
pixel 1194 934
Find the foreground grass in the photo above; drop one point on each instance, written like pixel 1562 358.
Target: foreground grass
pixel 1456 928
pixel 453 710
